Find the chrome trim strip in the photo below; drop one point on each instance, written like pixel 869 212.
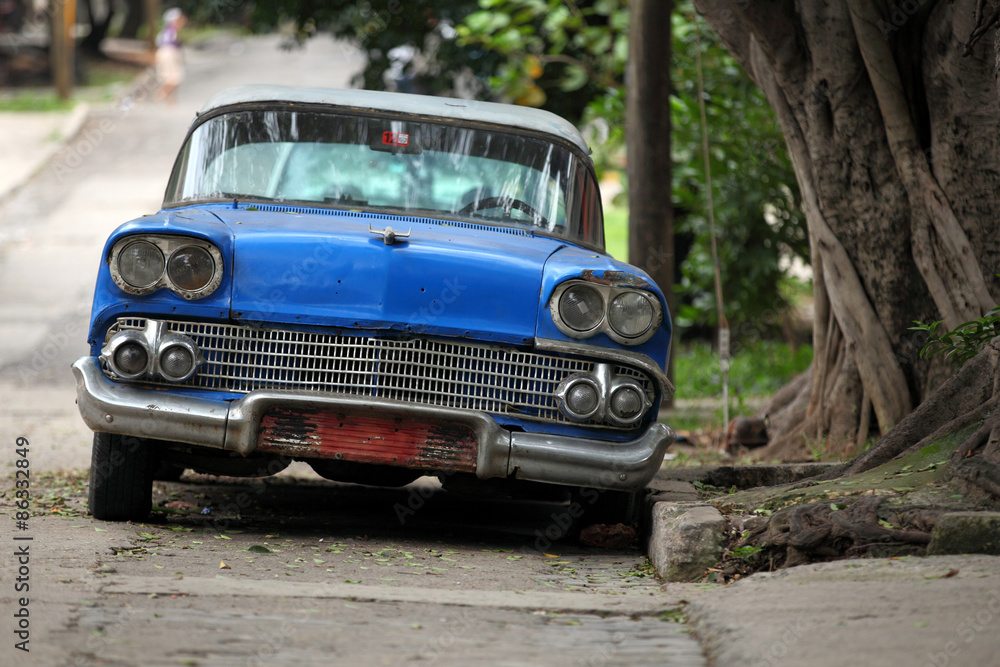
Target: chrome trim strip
pixel 623 357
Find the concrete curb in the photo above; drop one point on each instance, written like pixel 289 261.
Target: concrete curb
pixel 966 533
pixel 685 539
pixel 37 161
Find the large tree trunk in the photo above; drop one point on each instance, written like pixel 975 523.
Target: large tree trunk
pixel 893 135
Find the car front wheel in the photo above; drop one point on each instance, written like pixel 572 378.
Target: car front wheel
pixel 121 478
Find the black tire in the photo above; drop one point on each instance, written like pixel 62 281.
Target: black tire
pixel 121 478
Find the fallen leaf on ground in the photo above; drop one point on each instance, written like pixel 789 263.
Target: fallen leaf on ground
pixel 180 505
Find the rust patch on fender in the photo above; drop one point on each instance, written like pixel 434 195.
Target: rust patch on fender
pixel 391 441
pixel 615 279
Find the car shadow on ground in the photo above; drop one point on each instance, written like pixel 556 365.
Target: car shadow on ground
pixel 422 509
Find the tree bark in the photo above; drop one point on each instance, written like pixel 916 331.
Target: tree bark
pixel 893 136
pixel 647 129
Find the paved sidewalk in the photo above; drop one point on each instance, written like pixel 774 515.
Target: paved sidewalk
pixel 29 139
pixel 940 611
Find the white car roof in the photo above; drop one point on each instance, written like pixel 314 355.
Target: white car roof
pixel 525 118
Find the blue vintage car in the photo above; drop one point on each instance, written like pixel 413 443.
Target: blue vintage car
pixel 382 285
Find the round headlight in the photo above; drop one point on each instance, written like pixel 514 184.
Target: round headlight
pixel 582 399
pixel 581 307
pixel 626 403
pixel 140 264
pixel 631 314
pixel 130 359
pixel 177 363
pixel 190 268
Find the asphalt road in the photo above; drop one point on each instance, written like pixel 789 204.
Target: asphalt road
pixel 293 570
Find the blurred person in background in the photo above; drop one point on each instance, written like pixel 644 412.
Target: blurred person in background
pixel 169 59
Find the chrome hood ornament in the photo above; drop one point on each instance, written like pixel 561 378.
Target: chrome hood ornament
pixel 389 235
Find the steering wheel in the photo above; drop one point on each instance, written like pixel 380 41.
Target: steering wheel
pixel 506 203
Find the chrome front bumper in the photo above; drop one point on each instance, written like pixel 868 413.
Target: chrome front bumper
pixel 232 425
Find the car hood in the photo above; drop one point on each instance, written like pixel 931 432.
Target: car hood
pixel 325 268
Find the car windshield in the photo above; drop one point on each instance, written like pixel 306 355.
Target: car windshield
pixel 415 167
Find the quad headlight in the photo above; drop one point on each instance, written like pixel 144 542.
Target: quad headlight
pixel 581 309
pixel 140 264
pixel 630 314
pixel 189 267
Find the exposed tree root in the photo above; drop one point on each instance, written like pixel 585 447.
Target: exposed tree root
pixel 822 531
pixel 867 525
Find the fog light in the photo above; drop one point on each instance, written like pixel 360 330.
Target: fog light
pixel 177 358
pixel 582 398
pixel 176 362
pixel 130 359
pixel 627 403
pixel 579 398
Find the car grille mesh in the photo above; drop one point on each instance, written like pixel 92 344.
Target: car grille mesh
pixel 486 378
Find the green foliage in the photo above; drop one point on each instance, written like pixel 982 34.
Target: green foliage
pixel 746 553
pixel 757 369
pixel 756 195
pixel 673 616
pixel 616 232
pixel 962 343
pixel 817 447
pixel 35 101
pixel 552 49
pixel 210 11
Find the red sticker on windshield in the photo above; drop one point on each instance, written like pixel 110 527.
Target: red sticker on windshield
pixel 395 139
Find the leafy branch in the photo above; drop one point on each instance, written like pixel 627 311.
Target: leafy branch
pixel 964 341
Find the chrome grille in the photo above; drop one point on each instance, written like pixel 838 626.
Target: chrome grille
pixel 486 378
